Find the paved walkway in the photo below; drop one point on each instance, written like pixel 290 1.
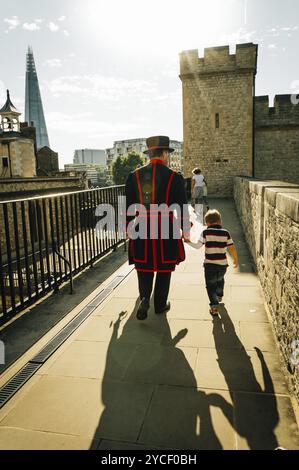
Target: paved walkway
pixel 181 381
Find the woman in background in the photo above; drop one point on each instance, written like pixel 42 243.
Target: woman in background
pixel 199 188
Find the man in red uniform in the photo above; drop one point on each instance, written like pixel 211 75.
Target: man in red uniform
pixel 156 184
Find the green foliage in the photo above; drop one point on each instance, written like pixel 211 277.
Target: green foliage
pixel 124 165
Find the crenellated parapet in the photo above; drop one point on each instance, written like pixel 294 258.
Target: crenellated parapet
pixel 218 60
pixel 285 111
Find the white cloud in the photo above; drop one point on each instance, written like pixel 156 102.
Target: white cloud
pixel 72 54
pixel 100 87
pixel 31 26
pixel 53 27
pixel 54 62
pixel 272 46
pixel 12 22
pixel 83 124
pixel 38 20
pixel 65 32
pixel 61 18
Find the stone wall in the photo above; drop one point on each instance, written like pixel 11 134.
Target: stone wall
pixel 20 155
pixel 269 212
pixel 277 139
pixel 18 188
pixel 47 162
pixel 218 87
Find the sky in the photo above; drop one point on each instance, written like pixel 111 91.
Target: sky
pixel 108 69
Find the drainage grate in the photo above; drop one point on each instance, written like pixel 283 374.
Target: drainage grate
pixel 100 297
pixel 113 284
pixel 16 382
pixel 62 336
pixel 24 374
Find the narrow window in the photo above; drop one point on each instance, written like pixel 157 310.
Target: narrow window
pixel 217 120
pixel 5 162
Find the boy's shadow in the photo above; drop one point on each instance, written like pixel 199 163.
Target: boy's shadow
pixel 256 414
pixel 152 400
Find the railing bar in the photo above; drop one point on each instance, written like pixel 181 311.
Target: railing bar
pixel 75 264
pixel 32 223
pixel 69 257
pixel 8 247
pixel 62 225
pixel 83 238
pixel 99 238
pixel 79 233
pixel 2 289
pixel 17 245
pixel 57 236
pixel 28 277
pixel 97 248
pixel 53 240
pixel 91 226
pixel 85 229
pixel 39 231
pixel 45 218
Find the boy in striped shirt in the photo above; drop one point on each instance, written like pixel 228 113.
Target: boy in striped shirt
pixel 217 241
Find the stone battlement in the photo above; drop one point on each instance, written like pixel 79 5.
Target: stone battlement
pixel 218 59
pixel 283 113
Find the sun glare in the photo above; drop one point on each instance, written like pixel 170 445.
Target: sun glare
pixel 159 26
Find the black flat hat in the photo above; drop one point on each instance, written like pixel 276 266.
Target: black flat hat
pixel 158 142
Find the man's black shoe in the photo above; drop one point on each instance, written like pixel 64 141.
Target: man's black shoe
pixel 164 310
pixel 142 309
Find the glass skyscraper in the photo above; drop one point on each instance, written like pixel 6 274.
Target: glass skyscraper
pixel 34 112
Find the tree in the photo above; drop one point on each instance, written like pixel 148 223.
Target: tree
pixel 124 165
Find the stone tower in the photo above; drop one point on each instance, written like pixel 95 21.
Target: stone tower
pixel 34 112
pixel 17 153
pixel 218 110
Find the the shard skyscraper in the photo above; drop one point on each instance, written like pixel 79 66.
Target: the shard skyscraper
pixel 33 104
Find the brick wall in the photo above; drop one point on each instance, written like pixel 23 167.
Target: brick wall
pixel 269 212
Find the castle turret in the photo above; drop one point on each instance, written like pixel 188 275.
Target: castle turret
pixel 218 104
pixel 9 116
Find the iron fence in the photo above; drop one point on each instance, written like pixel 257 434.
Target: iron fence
pixel 45 240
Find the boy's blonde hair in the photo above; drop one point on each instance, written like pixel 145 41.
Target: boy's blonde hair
pixel 213 217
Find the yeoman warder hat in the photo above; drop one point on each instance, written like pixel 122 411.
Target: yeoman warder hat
pixel 158 142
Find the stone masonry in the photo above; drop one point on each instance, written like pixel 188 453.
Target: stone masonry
pixel 228 131
pixel 277 138
pixel 269 212
pixel 219 87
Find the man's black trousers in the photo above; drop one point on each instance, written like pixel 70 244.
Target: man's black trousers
pixel 162 284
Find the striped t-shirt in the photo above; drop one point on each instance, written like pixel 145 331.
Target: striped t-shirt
pixel 216 240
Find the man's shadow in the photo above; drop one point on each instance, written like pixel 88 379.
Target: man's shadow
pixel 255 412
pixel 153 401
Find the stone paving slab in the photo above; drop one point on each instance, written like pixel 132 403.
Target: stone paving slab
pixel 183 418
pixel 237 370
pixel 20 439
pixel 82 407
pixel 178 381
pixel 264 422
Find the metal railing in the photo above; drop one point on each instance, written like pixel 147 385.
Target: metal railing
pixel 45 240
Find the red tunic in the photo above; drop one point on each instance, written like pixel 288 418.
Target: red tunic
pixel 155 183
